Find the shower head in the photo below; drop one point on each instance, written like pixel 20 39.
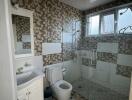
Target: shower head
pixel 130 7
pixel 124 11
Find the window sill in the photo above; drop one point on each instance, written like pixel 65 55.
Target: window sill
pixel 113 34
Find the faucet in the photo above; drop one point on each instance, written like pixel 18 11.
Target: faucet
pixel 19 70
pixel 27 64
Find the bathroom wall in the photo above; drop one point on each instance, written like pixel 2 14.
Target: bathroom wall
pixel 106 59
pixel 68 68
pixel 50 18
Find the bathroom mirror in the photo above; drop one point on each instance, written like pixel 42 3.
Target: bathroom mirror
pixel 22 25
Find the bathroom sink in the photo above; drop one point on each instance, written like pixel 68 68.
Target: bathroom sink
pixel 25 77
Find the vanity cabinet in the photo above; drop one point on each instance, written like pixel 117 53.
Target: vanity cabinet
pixel 33 91
pixel 22 94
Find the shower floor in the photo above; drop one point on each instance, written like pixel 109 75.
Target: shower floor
pixel 87 90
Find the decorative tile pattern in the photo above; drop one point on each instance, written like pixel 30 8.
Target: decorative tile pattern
pixel 52 59
pixel 124 41
pixel 88 62
pixel 107 47
pixel 50 17
pixel 124 70
pixel 125 44
pixel 107 57
pixel 26 45
pixel 91 42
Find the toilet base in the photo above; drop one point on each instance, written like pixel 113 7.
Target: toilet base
pixel 62 95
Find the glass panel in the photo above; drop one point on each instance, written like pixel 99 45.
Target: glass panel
pixel 93 25
pixel 107 24
pixel 124 19
pixel 67 37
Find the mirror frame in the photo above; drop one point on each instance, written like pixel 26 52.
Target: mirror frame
pixel 25 13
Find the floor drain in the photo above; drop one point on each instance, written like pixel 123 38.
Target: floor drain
pixel 79 86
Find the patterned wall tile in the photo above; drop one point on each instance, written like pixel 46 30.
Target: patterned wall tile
pixel 88 62
pixel 124 41
pixel 26 45
pixel 124 59
pixel 107 47
pixel 50 17
pixel 125 44
pixel 52 59
pixel 107 57
pixel 124 70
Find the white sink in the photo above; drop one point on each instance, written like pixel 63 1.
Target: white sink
pixel 25 77
pixel 28 77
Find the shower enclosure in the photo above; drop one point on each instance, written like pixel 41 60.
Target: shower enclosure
pixel 93 66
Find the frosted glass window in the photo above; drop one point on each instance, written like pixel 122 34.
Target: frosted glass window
pixel 93 26
pixel 124 19
pixel 107 24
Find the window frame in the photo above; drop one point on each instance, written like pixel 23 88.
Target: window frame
pixel 87 25
pixel 106 12
pixel 115 21
pixel 89 22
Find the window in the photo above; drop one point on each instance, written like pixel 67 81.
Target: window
pixel 93 25
pixel 107 23
pixel 124 20
pixel 110 22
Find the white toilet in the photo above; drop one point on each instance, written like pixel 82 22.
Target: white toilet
pixel 62 89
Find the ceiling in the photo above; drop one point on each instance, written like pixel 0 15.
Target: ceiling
pixel 85 4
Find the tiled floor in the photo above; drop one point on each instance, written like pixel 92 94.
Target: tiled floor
pixel 87 90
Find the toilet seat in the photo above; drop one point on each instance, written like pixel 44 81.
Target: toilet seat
pixel 61 89
pixel 63 85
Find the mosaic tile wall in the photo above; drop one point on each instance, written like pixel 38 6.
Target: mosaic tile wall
pixel 124 42
pixel 26 45
pixel 124 47
pixel 49 18
pixel 107 57
pixel 56 58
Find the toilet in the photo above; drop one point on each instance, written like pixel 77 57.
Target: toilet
pixel 61 89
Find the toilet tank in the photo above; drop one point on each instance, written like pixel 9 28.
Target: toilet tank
pixel 54 74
